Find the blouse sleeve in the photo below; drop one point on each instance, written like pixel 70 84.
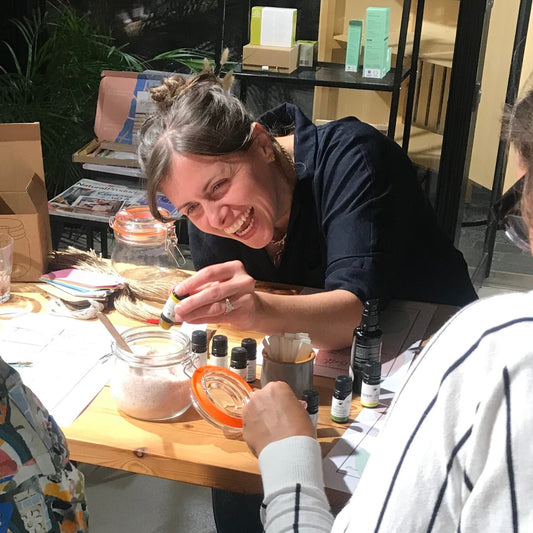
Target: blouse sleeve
pixel 293 485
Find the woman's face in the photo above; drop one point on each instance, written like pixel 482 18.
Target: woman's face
pixel 231 196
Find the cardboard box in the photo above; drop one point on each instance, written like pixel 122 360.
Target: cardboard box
pixel 307 53
pixel 270 58
pixel 23 201
pixel 123 103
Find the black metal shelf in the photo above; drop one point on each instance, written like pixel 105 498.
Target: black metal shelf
pixel 325 75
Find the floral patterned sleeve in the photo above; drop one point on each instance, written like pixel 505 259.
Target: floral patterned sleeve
pixel 40 489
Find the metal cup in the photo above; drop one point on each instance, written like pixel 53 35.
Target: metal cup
pixel 299 375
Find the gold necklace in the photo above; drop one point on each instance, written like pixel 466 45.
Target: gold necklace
pixel 278 245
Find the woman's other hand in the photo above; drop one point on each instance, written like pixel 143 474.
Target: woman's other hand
pixel 272 414
pixel 221 293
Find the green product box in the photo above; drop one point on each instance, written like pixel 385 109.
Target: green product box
pixel 376 59
pixel 377 24
pixel 255 25
pixel 353 47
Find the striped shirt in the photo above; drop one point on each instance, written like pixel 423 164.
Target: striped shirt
pixel 456 453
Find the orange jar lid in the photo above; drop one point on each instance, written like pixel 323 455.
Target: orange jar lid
pixel 219 395
pixel 137 223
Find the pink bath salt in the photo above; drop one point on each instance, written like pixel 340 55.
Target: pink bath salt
pixel 151 396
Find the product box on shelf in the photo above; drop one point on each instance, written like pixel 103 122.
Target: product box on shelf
pixel 23 201
pixel 377 53
pixel 353 46
pixel 273 26
pixel 377 23
pixel 270 58
pixel 377 60
pixel 307 53
pixel 123 103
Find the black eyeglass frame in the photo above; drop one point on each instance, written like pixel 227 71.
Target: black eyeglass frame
pixel 507 212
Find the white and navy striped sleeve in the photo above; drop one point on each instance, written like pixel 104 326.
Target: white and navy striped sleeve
pixel 455 454
pixel 294 499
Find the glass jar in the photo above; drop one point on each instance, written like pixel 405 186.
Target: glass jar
pixel 219 395
pixel 143 244
pixel 153 382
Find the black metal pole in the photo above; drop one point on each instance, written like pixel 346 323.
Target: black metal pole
pixel 472 28
pixel 513 84
pixel 413 75
pixel 398 69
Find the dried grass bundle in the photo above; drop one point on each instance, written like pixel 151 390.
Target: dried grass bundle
pixel 139 300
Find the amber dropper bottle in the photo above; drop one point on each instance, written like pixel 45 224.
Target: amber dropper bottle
pixel 167 314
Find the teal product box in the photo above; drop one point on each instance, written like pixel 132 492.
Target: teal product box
pixel 376 59
pixel 353 47
pixel 307 53
pixel 377 24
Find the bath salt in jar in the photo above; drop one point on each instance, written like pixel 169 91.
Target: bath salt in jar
pixel 153 382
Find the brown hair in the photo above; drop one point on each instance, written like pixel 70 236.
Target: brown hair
pixel 196 115
pixel 518 124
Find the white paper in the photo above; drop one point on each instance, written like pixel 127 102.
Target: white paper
pixel 62 360
pixel 345 463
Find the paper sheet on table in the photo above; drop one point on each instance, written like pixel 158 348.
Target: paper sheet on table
pixel 63 358
pixel 345 463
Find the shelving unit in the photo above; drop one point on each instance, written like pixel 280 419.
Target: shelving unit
pixel 329 74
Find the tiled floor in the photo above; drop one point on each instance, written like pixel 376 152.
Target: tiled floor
pixel 120 502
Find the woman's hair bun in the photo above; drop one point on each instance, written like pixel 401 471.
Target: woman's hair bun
pixel 163 95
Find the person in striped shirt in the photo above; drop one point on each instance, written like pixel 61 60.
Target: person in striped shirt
pixel 455 453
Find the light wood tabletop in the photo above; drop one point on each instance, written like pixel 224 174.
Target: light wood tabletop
pixel 188 449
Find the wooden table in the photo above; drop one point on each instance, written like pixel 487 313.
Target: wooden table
pixel 188 449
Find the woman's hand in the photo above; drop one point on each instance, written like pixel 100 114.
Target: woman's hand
pixel 272 414
pixel 221 293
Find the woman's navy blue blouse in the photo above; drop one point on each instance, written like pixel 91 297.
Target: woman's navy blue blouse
pixel 359 220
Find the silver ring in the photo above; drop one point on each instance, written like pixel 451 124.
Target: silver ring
pixel 229 307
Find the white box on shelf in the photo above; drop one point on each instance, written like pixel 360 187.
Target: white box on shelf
pixel 278 26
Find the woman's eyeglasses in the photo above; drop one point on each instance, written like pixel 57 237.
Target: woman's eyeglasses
pixel 506 211
pixel 517 231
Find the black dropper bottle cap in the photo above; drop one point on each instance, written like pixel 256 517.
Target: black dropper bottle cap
pixel 370 317
pixel 199 341
pixel 239 356
pixel 251 347
pixel 219 345
pixel 372 372
pixel 343 385
pixel 311 397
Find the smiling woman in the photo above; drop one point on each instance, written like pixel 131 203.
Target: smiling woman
pixel 334 207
